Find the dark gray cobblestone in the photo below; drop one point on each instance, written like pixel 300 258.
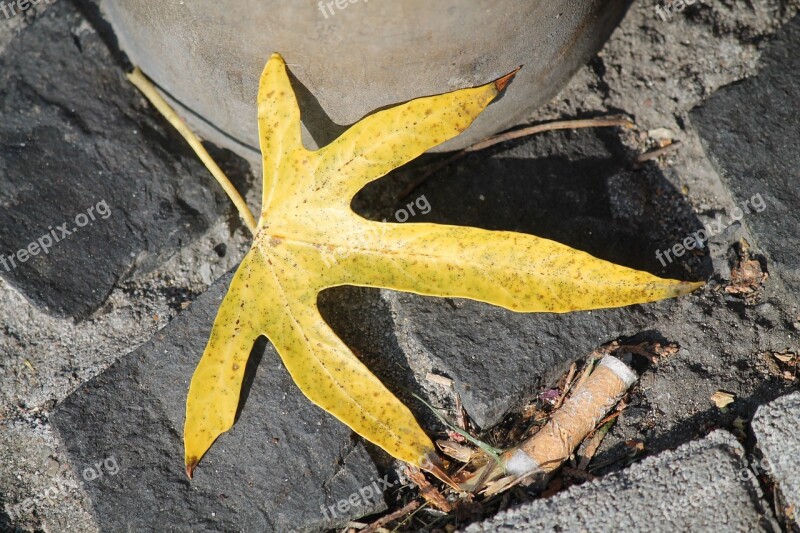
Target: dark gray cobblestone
pixel 283 460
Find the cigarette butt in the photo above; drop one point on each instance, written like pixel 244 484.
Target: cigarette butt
pixel 580 414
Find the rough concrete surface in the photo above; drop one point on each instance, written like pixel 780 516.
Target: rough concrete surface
pixel 705 485
pixel 777 433
pixel 656 71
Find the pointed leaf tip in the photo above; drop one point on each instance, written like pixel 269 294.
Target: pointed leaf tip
pixel 190 466
pixel 501 83
pixel 690 286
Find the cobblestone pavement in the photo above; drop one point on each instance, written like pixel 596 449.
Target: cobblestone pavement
pixel 99 335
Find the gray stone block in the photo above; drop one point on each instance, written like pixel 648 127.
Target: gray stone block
pixel 283 460
pixel 777 430
pixel 704 485
pixel 751 130
pixel 81 150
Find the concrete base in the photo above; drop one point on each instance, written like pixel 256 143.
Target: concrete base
pixel 348 61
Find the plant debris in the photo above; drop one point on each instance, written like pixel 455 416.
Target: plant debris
pixel 722 399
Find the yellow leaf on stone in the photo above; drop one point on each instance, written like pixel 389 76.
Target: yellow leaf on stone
pixel 308 239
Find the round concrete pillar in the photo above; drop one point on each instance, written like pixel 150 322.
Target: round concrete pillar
pixel 350 57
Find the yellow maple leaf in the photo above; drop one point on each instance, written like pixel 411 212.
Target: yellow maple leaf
pixel 308 239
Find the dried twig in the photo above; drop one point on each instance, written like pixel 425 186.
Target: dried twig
pixel 594 443
pixel 656 153
pixel 587 371
pixel 515 134
pixel 461 418
pixel 567 386
pixel 400 513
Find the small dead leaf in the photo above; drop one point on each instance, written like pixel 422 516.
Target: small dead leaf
pixel 635 444
pixel 457 451
pixel 652 351
pixel 785 364
pixel 722 399
pixel 747 277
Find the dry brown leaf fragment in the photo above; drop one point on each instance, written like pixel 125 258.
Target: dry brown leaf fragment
pixel 635 444
pixel 459 452
pixel 652 351
pixel 784 364
pixel 747 276
pixel 722 398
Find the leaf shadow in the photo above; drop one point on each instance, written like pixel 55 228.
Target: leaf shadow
pixel 575 187
pixel 256 355
pixel 363 320
pixel 322 129
pixel 693 426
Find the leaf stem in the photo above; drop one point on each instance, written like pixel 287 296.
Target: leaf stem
pixel 138 78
